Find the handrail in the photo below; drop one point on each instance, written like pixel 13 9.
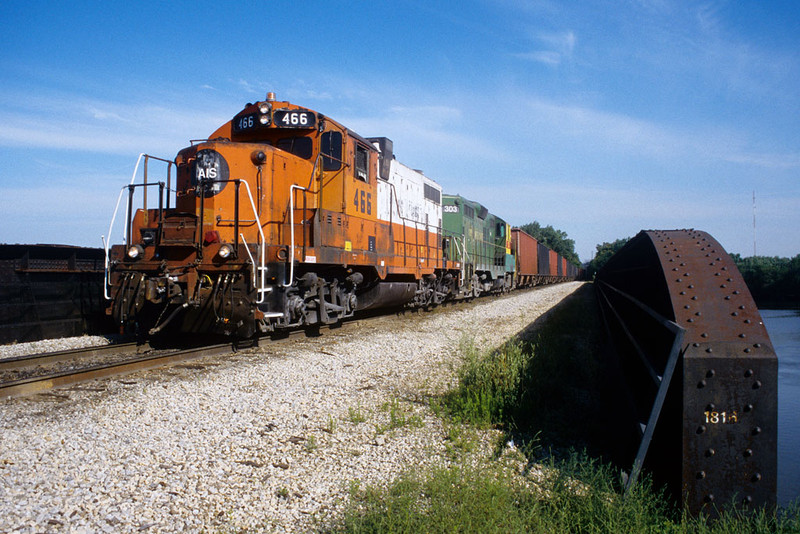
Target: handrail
pixel 291 232
pixel 262 261
pixel 107 244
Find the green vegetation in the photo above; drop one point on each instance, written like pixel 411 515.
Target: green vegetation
pixel 544 390
pixel 399 417
pixel 555 239
pixel 771 281
pixel 603 254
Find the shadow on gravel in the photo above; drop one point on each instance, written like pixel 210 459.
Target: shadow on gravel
pixel 571 398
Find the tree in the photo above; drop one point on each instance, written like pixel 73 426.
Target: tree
pixel 555 239
pixel 604 253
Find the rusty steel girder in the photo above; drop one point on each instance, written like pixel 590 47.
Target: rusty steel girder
pixel 699 369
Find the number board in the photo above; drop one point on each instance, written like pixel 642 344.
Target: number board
pixel 244 123
pixel 294 118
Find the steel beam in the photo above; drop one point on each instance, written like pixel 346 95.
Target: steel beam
pixel 699 369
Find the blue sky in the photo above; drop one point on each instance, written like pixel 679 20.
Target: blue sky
pixel 600 118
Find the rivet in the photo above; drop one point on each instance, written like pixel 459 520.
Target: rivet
pixel 702 384
pixel 701 474
pixel 710 407
pixel 679 279
pixel 757 384
pixel 709 497
pixel 704 334
pixel 709 350
pixel 741 307
pixel 748 407
pixel 757 345
pixel 747 500
pixel 710 373
pixel 729 279
pixel 716 274
pixel 695 344
pixel 683 264
pixel 749 373
pixel 682 293
pixel 711 452
pixel 689 320
pixel 747 350
pixel 747 321
pixel 728 297
pixel 694 297
pixel 723 286
pixel 686 307
pixel 742 336
pixel 698 314
pixel 736 292
pixel 690 286
pixel 701 429
pixel 748 453
pixel 756 477
pixel 756 430
pixel 735 314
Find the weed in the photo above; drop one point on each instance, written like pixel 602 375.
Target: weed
pixel 311 443
pixel 356 415
pixel 331 425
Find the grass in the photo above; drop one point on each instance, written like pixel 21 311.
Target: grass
pixel 542 390
pixel 577 495
pixel 399 416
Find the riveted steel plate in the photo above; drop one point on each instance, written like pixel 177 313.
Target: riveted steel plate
pixel 719 422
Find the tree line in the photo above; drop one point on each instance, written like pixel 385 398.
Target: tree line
pixel 556 240
pixel 773 281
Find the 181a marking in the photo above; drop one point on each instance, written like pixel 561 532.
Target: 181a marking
pixel 716 418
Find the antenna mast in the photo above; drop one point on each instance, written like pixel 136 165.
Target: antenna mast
pixel 754 223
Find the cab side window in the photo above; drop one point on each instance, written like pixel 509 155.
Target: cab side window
pixel 362 163
pixel 331 149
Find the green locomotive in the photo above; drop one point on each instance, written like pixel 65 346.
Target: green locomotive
pixel 479 244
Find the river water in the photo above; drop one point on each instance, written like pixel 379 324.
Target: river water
pixel 783 327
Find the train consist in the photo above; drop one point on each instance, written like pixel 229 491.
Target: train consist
pixel 285 218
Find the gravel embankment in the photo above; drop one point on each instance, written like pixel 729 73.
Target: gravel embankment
pixel 268 440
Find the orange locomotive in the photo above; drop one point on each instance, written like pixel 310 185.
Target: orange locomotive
pixel 282 218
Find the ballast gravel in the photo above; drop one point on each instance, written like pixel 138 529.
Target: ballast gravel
pixel 271 439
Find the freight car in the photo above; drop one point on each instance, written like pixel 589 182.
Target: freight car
pixel 536 264
pixel 285 218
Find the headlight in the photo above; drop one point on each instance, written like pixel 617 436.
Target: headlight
pixel 225 251
pixel 264 119
pixel 136 251
pixel 264 108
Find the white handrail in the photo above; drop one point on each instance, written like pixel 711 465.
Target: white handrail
pixel 107 244
pixel 263 243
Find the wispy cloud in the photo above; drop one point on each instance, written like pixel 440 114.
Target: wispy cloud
pixel 103 126
pixel 555 48
pixel 619 132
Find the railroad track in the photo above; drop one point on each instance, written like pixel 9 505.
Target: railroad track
pixel 67 367
pixel 36 373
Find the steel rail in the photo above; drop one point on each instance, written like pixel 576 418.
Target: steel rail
pixel 15 362
pixel 30 386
